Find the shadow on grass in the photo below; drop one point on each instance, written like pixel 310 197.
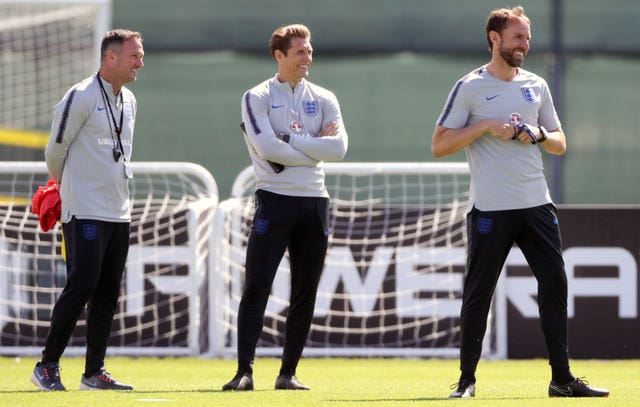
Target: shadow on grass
pixel 134 391
pixel 417 399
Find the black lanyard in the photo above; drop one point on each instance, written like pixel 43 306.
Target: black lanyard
pixel 112 118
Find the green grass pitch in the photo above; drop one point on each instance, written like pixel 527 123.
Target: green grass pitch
pixel 334 382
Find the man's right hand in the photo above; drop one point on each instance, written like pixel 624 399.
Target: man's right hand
pixel 329 129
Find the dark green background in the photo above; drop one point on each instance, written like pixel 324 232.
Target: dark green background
pixel 391 64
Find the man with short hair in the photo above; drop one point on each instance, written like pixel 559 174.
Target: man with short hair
pixel 291 127
pixel 88 154
pixel 503 116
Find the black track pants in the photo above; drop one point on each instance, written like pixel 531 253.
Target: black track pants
pixel 280 222
pixel 491 235
pixel 96 257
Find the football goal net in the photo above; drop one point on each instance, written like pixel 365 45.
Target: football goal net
pixel 45 47
pixel 393 275
pixel 163 308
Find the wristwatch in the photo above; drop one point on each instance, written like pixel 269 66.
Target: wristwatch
pixel 543 133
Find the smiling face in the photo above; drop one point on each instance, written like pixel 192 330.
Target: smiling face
pixel 512 44
pixel 121 58
pixel 294 65
pixel 129 60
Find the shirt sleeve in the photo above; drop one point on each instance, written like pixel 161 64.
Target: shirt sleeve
pixel 262 138
pixel 328 148
pixel 455 113
pixel 68 118
pixel 547 115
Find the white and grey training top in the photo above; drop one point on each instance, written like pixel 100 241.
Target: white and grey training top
pixel 273 108
pixel 504 175
pixel 79 153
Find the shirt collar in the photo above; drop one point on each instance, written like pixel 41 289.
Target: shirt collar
pixel 284 86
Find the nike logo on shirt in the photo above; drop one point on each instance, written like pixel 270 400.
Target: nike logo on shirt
pixel 487 98
pixel 276 106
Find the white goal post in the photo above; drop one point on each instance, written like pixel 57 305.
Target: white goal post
pixel 392 281
pixel 164 296
pixel 45 47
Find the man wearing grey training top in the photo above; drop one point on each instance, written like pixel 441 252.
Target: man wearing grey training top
pixel 503 116
pixel 291 126
pixel 88 154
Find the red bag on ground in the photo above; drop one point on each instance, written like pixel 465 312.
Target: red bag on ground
pixel 47 205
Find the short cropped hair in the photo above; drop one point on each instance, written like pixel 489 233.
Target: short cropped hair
pixel 113 40
pixel 499 19
pixel 281 37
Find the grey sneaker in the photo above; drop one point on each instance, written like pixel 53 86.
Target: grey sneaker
pixel 47 377
pixel 102 380
pixel 464 389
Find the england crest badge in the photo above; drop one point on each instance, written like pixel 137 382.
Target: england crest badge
pixel 310 107
pixel 89 231
pixel 261 226
pixel 485 225
pixel 529 94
